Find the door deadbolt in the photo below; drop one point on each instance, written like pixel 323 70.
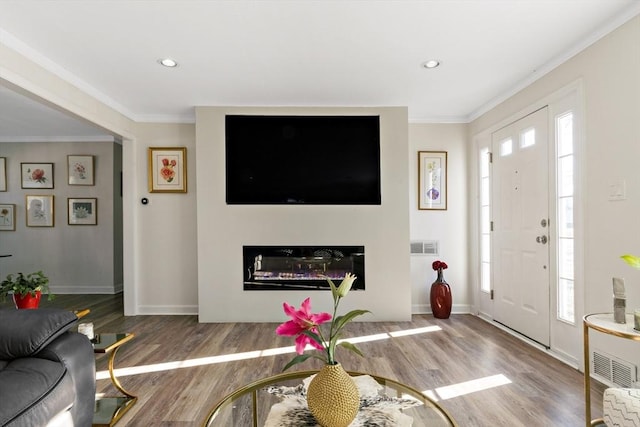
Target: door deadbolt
pixel 541 239
pixel 543 222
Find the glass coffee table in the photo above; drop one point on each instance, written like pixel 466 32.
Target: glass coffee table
pixel 259 404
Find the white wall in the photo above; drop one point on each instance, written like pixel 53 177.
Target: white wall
pixel 448 227
pixel 166 233
pixel 223 230
pixel 77 259
pixel 610 73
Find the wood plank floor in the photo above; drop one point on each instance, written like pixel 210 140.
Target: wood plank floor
pixel 539 390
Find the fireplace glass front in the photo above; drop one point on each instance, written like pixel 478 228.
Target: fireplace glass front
pixel 301 267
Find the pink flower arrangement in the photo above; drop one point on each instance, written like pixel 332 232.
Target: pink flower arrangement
pixel 439 265
pixel 305 326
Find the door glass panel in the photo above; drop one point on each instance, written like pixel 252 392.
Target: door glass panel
pixel 565 267
pixel 528 138
pixel 564 125
pixel 506 147
pixel 566 300
pixel 485 284
pixel 486 248
pixel 565 217
pixel 484 192
pixel 565 176
pixel 485 220
pixel 565 191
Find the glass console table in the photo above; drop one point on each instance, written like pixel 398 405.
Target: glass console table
pixel 602 322
pixel 251 405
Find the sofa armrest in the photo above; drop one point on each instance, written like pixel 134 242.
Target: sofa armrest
pixel 75 352
pixel 25 332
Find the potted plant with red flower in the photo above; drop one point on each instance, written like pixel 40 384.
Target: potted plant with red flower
pixel 440 295
pixel 26 289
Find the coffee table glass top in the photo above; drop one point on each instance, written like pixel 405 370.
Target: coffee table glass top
pixel 253 404
pixel 105 342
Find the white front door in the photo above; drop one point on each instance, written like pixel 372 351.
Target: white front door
pixel 520 218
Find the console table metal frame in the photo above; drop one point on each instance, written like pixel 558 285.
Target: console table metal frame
pixel 601 322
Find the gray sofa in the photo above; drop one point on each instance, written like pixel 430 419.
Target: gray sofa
pixel 47 371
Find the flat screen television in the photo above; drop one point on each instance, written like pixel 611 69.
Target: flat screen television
pixel 320 160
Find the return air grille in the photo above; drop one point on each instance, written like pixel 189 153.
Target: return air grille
pixel 427 247
pixel 613 371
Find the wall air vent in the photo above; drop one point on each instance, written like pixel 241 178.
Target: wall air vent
pixel 426 247
pixel 613 371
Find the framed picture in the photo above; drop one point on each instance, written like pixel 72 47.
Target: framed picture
pixel 432 180
pixel 167 170
pixel 39 211
pixel 37 175
pixel 3 174
pixel 7 217
pixel 80 170
pixel 83 211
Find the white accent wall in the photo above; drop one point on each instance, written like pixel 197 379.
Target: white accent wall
pixel 224 229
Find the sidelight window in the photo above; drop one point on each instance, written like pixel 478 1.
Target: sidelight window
pixel 565 201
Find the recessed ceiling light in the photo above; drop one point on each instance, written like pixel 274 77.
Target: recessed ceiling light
pixel 168 62
pixel 432 63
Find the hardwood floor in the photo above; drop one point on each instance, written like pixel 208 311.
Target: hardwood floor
pixel 536 390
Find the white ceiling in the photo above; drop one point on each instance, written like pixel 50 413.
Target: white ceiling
pixel 295 53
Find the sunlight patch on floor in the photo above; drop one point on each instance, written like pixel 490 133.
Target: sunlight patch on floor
pixel 190 363
pixel 467 387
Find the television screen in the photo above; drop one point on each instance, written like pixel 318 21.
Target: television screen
pixel 322 160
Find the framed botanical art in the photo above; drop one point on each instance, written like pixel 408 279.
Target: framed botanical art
pixel 80 170
pixel 36 175
pixel 167 170
pixel 7 217
pixel 3 174
pixel 82 211
pixel 40 211
pixel 432 180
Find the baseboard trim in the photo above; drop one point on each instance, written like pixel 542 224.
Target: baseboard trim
pixel 84 289
pixel 181 310
pixel 426 309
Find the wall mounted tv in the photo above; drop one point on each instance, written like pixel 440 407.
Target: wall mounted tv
pixel 318 160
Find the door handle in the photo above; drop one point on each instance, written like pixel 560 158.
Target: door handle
pixel 541 239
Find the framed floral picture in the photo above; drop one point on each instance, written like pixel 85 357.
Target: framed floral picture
pixel 167 170
pixel 3 174
pixel 36 175
pixel 432 180
pixel 7 217
pixel 83 211
pixel 80 170
pixel 40 211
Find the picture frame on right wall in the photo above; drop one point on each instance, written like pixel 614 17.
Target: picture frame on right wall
pixel 432 180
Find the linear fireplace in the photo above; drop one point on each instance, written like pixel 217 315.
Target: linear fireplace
pixel 301 267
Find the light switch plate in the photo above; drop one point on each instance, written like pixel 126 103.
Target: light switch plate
pixel 617 190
